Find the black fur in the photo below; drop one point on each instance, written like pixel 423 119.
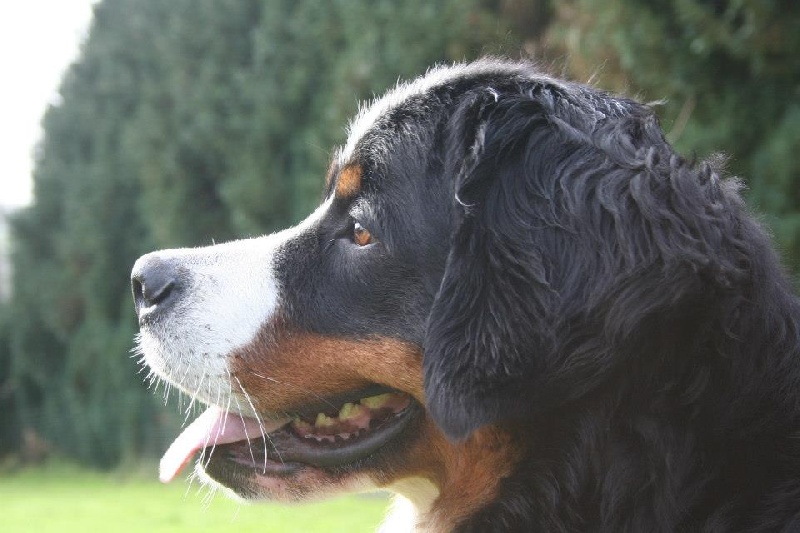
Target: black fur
pixel 567 278
pixel 620 310
pixel 574 281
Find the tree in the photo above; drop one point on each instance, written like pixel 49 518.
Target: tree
pixel 189 121
pixel 183 122
pixel 728 71
pixel 75 383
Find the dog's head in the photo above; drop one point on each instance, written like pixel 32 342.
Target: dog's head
pixel 487 244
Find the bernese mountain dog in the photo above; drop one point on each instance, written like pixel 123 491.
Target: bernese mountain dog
pixel 516 307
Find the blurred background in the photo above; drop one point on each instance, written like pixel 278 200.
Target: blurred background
pixel 183 122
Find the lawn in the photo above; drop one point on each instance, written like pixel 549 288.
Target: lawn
pixel 67 499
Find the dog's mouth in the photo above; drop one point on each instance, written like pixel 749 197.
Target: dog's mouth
pixel 330 433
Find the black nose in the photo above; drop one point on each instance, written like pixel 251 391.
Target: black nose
pixel 155 283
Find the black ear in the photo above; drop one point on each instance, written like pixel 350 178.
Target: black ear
pixel 573 229
pixel 486 324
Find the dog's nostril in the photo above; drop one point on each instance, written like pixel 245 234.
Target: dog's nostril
pixel 163 294
pixel 153 281
pixel 151 294
pixel 138 291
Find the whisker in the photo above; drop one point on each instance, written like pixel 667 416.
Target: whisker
pixel 246 436
pixel 264 434
pixel 194 396
pixel 181 383
pixel 209 496
pixel 192 477
pixel 167 388
pixel 227 410
pixel 214 445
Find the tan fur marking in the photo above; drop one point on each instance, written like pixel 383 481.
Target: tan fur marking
pixel 467 474
pixel 282 369
pixel 349 182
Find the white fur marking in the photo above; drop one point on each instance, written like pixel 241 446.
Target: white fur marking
pixel 413 499
pixel 232 294
pixel 435 77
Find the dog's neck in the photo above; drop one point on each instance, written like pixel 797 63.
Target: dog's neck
pixel 452 481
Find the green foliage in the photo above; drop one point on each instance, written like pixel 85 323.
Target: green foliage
pixel 8 422
pixel 189 121
pixel 183 122
pixel 239 126
pixel 729 72
pixel 61 499
pixel 77 387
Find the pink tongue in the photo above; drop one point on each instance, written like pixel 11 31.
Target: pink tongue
pixel 214 426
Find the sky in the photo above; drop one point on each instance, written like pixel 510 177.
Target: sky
pixel 39 39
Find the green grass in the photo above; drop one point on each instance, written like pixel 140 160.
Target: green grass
pixel 67 499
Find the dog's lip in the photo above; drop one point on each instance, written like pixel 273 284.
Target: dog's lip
pixel 284 452
pixel 274 444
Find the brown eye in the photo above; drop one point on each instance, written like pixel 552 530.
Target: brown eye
pixel 361 236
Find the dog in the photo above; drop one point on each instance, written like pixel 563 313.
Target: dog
pixel 517 308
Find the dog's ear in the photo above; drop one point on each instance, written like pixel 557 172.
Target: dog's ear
pixel 570 239
pixel 494 298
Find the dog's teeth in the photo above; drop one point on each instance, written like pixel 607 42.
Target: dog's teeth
pixel 345 411
pixel 376 402
pixel 301 424
pixel 324 421
pixel 350 411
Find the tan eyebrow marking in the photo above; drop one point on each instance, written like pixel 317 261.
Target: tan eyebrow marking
pixel 349 181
